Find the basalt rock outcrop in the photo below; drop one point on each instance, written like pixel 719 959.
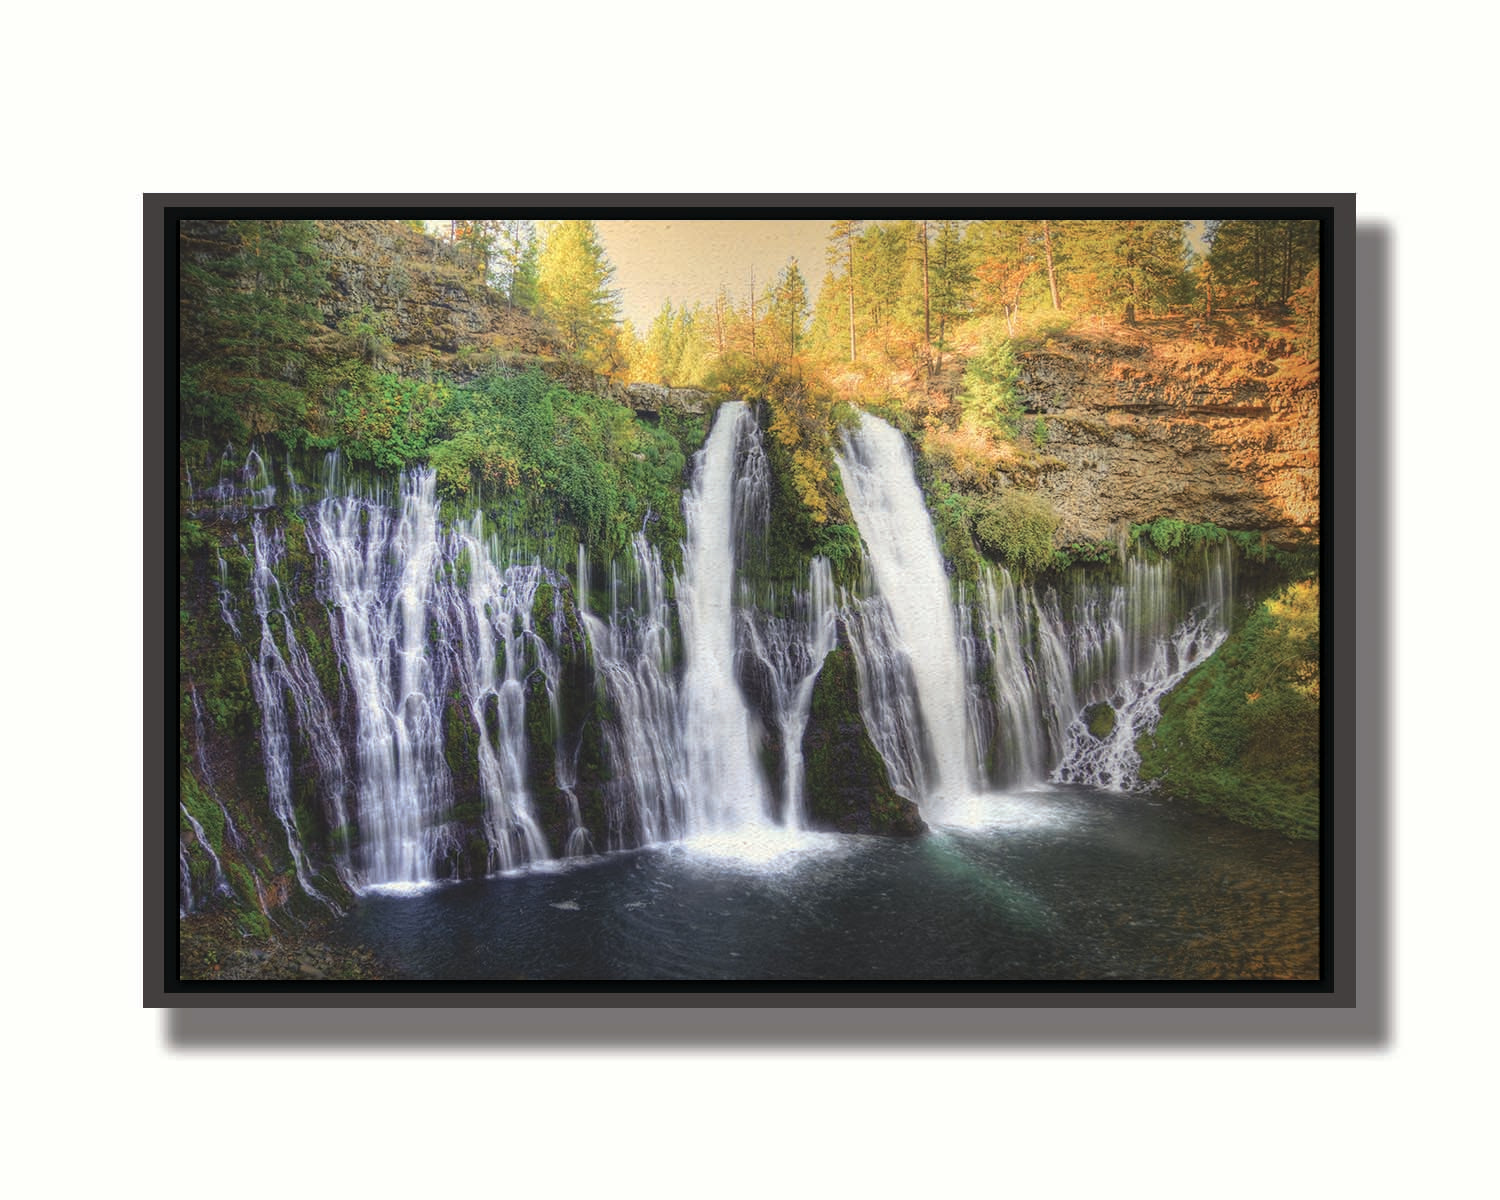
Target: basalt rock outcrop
pixel 1138 429
pixel 424 300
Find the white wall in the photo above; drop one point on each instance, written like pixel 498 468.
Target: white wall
pixel 1273 97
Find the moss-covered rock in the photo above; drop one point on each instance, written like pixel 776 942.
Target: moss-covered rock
pixel 1100 719
pixel 847 789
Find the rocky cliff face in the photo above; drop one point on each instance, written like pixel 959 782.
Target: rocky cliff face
pixel 1137 427
pixel 426 299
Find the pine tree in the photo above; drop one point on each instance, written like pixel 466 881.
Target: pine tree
pixel 788 310
pixel 1126 267
pixel 1262 263
pixel 573 285
pixel 248 307
pixel 952 280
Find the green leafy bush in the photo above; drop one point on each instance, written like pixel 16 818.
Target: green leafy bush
pixel 1170 536
pixel 387 421
pixel 1017 529
pixel 530 448
pixel 1082 551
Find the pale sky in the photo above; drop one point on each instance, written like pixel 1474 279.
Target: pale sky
pixel 687 260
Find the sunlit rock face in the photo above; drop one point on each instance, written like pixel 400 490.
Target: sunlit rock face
pixel 1131 430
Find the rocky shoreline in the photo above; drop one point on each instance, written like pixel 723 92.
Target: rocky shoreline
pixel 210 947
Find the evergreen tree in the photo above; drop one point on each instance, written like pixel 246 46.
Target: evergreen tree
pixel 247 303
pixel 989 399
pixel 513 262
pixel 788 311
pixel 1262 263
pixel 1005 261
pixel 952 279
pixel 1125 267
pixel 573 286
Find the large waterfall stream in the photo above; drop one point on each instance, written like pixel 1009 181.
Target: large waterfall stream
pixel 909 575
pixel 414 747
pixel 726 789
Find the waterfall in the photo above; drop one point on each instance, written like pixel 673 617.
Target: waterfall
pixel 725 787
pixel 997 691
pixel 579 841
pixel 633 661
pixel 379 568
pixel 493 615
pixel 887 692
pixel 271 677
pixel 1169 625
pixel 403 757
pixel 1124 643
pixel 206 772
pixel 907 566
pixel 789 650
pixel 221 884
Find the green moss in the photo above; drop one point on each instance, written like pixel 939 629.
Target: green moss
pixel 541 606
pixel 1100 718
pixel 1241 734
pixel 847 787
pixel 204 809
pixel 1083 552
pixel 950 512
pixel 1169 536
pixel 251 919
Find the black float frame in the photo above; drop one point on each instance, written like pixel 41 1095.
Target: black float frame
pixel 1348 1004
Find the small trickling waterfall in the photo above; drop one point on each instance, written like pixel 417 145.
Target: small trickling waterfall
pixel 633 662
pixel 632 651
pixel 876 467
pixel 495 631
pixel 790 650
pixel 726 789
pixel 186 901
pixel 379 567
pixel 271 677
pixel 206 773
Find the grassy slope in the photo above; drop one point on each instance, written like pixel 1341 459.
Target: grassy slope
pixel 1241 735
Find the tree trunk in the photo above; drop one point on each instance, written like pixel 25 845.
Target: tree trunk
pixel 1051 267
pixel 851 299
pixel 926 289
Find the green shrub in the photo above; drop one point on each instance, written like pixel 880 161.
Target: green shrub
pixel 387 421
pixel 1017 529
pixel 1171 536
pixel 1082 551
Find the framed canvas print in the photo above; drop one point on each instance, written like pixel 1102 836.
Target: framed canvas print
pixel 705 599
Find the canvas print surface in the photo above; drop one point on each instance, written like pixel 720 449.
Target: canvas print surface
pixel 669 598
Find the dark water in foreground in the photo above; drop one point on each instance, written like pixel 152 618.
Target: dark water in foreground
pixel 1062 883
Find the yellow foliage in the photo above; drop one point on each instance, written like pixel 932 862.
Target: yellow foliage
pixel 971 451
pixel 1297 625
pixel 801 423
pixel 812 477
